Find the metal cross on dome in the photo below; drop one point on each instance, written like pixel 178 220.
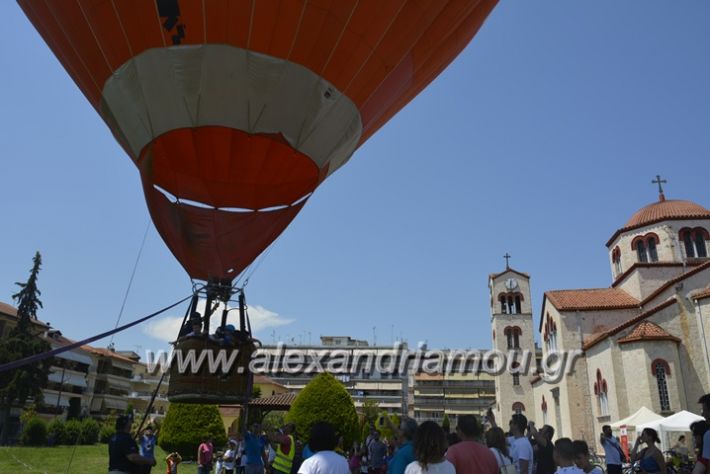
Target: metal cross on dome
pixel 506 257
pixel 660 183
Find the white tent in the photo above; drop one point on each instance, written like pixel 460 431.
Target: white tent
pixel 680 422
pixel 643 415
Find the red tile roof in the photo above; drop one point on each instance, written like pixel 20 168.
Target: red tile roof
pixel 282 400
pixel 673 209
pixel 648 331
pixel 107 353
pixel 596 339
pixel 675 280
pixel 591 299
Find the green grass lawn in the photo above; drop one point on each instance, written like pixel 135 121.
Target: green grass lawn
pixel 87 460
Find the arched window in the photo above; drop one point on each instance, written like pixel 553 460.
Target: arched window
pixel 550 335
pixel 601 391
pixel 661 370
pixel 694 242
pixel 646 247
pixel 544 410
pixel 512 335
pixel 616 259
pixel 518 408
pixel 510 303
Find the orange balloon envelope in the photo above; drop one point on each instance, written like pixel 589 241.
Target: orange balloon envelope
pixel 234 111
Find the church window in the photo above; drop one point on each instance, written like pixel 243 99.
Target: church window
pixel 510 303
pixel 518 408
pixel 512 334
pixel 661 370
pixel 646 247
pixel 550 334
pixel 694 242
pixel 601 390
pixel 641 251
pixel 616 259
pixel 516 373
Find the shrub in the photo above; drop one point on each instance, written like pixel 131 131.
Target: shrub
pixel 35 433
pixel 325 399
pixel 56 431
pixel 185 425
pixel 89 431
pixel 72 432
pixel 108 429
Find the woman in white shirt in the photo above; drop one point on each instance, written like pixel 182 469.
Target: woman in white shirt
pixel 429 449
pixel 496 442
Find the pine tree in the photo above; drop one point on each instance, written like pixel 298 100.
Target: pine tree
pixel 17 385
pixel 28 298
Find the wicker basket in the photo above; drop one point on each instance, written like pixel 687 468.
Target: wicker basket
pixel 204 387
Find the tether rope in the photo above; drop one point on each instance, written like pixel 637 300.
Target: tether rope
pixel 130 280
pixel 45 355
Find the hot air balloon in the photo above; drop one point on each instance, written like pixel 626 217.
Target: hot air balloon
pixel 234 111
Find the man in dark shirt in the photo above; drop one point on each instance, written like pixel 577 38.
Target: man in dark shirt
pixel 123 457
pixel 543 448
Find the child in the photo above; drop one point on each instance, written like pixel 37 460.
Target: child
pixel 172 460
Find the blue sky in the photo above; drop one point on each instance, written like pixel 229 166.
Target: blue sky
pixel 540 140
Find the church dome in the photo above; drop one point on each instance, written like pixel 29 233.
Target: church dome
pixel 672 209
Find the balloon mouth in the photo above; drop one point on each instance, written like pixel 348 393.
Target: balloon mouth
pixel 220 196
pixel 225 168
pixel 188 202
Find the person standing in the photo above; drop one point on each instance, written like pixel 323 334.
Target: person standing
pixel 612 450
pixel 651 459
pixel 405 453
pixel 564 457
pixel 204 456
pixel 469 456
pixel 581 458
pixel 520 448
pixel 543 448
pixel 429 448
pixel 230 457
pixel 254 444
pixel 147 447
pixel 123 456
pixel 376 450
pixel 495 440
pixel 324 460
pixel 285 449
pixel 172 460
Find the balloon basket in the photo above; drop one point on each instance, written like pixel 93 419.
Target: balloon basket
pixel 206 385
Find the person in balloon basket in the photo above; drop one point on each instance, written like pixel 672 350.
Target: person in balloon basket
pixel 123 456
pixel 146 445
pixel 204 456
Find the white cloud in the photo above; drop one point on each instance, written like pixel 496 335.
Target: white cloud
pixel 167 328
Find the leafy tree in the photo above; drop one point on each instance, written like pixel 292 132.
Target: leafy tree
pixel 446 424
pixel 370 410
pixel 18 385
pixel 72 432
pixel 185 425
pixel 324 399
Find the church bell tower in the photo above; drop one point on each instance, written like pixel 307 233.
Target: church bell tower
pixel 512 331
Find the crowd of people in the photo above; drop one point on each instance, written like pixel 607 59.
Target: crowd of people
pixel 424 448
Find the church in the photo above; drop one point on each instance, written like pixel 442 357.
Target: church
pixel 642 341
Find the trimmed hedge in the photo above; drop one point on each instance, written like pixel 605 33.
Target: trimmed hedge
pixel 325 399
pixel 185 425
pixel 35 433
